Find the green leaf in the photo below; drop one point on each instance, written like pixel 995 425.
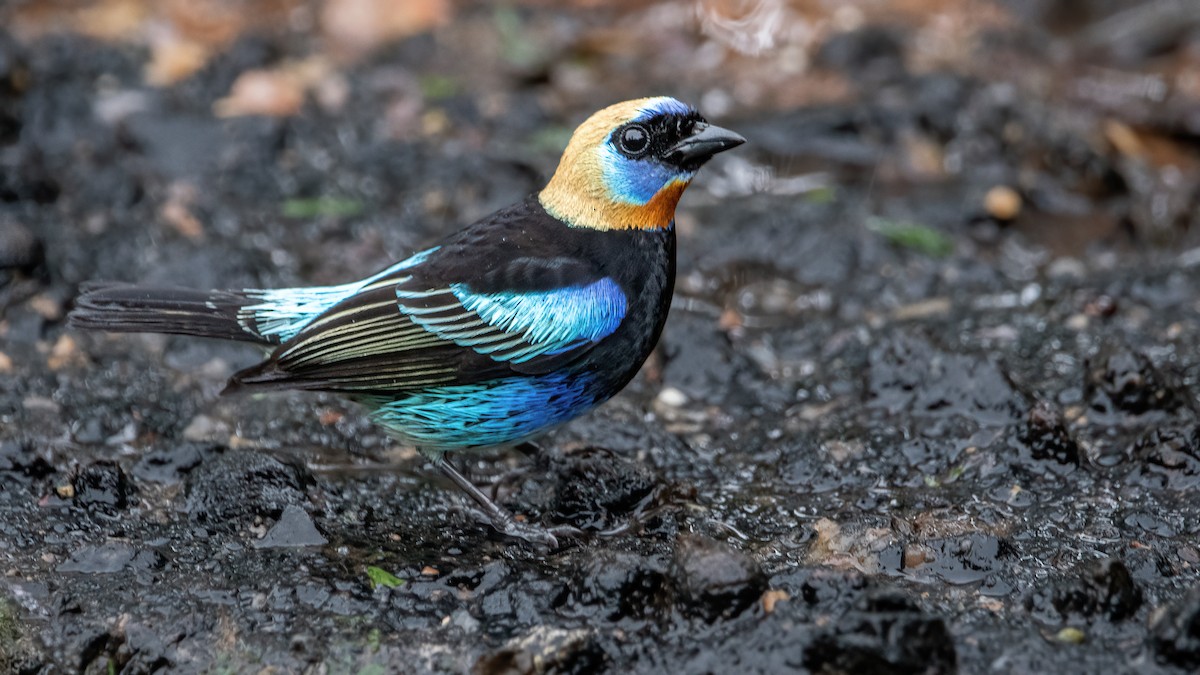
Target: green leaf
pixel 515 46
pixel 438 87
pixel 955 473
pixel 374 638
pixel 1071 636
pixel 919 238
pixel 322 206
pixel 381 577
pixel 821 195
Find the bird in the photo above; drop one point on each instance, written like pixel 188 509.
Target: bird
pixel 523 320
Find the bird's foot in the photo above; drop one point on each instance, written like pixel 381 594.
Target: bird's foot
pixel 502 520
pixel 534 534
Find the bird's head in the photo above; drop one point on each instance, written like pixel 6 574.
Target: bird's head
pixel 627 165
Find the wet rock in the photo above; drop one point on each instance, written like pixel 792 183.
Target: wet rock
pixel 236 487
pixel 1121 379
pixel 597 489
pixel 884 634
pixel 17 652
pixel 616 586
pixel 699 368
pixel 959 560
pixel 20 457
pixel 908 373
pixel 712 580
pixel 20 248
pixel 111 557
pixel 145 651
pixel 1175 632
pixel 1168 458
pixel 507 597
pixel 1102 588
pixel 544 649
pixel 25 177
pixel 103 486
pixel 294 529
pixel 1045 435
pixel 169 465
pixel 804 465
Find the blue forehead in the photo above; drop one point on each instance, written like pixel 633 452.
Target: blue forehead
pixel 663 105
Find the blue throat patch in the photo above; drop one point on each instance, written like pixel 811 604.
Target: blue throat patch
pixel 636 181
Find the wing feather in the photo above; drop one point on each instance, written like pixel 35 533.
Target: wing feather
pixel 411 329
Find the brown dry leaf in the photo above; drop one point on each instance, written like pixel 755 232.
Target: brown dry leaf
pixel 46 306
pixel 64 353
pixel 771 597
pixel 177 213
pixel 212 22
pixel 355 27
pixel 262 92
pixel 111 19
pixel 1124 138
pixel 182 34
pixel 849 548
pixel 730 319
pixel 277 92
pixel 330 417
pixel 173 60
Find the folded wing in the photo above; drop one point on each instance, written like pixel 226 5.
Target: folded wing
pixel 428 325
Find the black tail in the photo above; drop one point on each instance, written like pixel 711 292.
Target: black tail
pixel 126 308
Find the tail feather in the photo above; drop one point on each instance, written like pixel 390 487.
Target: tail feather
pixel 126 308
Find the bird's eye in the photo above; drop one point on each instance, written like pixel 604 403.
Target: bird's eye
pixel 634 139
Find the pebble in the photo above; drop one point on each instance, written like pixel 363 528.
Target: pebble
pixel 64 353
pixel 1175 632
pixel 544 649
pixel 294 529
pixel 205 428
pixel 712 579
pixel 19 247
pixel 672 397
pixel 1002 203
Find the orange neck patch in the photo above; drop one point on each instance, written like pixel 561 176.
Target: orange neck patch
pixel 586 209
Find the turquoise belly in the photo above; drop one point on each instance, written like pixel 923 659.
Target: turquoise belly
pixel 498 412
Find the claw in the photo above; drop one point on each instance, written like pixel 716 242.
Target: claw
pixel 541 536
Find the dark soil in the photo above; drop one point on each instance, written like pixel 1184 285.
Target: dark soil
pixel 891 427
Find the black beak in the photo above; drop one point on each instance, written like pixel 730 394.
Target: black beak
pixel 706 140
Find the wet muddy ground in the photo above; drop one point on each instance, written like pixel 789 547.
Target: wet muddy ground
pixel 926 402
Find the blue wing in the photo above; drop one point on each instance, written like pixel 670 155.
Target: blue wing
pixel 518 326
pixel 406 329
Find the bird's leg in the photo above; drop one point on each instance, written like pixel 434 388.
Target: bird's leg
pixel 531 451
pixel 502 520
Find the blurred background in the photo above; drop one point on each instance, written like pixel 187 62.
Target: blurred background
pixel 1074 122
